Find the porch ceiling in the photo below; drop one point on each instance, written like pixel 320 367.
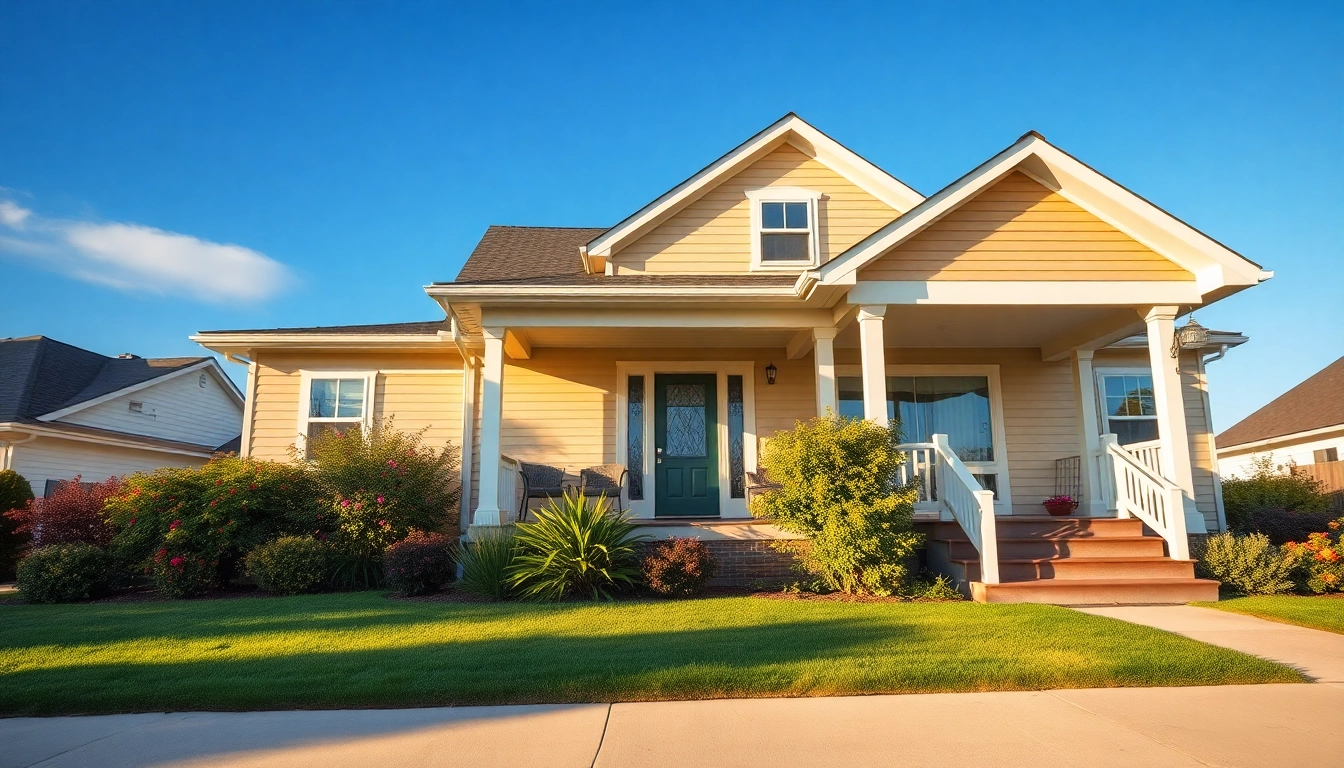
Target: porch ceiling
pixel 989 326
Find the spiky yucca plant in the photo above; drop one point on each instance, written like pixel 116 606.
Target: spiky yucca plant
pixel 574 548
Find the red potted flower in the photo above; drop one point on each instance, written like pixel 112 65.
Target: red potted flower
pixel 1060 506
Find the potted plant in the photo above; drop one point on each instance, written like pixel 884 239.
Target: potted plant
pixel 1060 506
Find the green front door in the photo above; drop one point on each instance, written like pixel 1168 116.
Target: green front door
pixel 686 447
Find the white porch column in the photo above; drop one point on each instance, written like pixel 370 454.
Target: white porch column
pixel 823 353
pixel 492 413
pixel 1175 453
pixel 871 348
pixel 1089 435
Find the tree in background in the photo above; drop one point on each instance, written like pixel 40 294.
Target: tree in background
pixel 15 493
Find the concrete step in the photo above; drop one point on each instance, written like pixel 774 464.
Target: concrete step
pixel 1053 548
pixel 1096 591
pixel 1073 568
pixel 1043 526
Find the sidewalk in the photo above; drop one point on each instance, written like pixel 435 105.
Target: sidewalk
pixel 1263 725
pixel 1316 653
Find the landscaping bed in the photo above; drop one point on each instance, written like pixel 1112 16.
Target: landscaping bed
pixel 365 650
pixel 1318 612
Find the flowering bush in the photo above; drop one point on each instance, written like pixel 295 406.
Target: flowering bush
pixel 15 493
pixel 208 517
pixel 419 563
pixel 1318 562
pixel 64 573
pixel 291 565
pixel 72 514
pixel 1251 564
pixel 679 567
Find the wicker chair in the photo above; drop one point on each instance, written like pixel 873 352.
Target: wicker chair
pixel 608 479
pixel 540 481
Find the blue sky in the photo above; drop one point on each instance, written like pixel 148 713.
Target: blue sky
pixel 170 167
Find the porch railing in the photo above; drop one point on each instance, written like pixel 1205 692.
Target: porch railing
pixel 946 481
pixel 1148 453
pixel 508 489
pixel 1141 492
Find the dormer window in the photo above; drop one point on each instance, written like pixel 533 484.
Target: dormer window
pixel 784 229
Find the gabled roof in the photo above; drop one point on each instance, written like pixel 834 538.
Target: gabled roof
pixel 40 376
pixel 790 129
pixel 1214 265
pixel 523 253
pixel 1316 403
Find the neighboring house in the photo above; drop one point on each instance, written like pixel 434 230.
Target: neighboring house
pixel 67 412
pixel 1303 426
pixel 1020 314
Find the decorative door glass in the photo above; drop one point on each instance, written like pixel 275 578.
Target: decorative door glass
pixel 686 420
pixel 736 459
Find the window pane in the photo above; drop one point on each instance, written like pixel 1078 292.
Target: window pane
pixel 350 400
pixel 784 248
pixel 635 433
pixel 956 406
pixel 322 402
pixel 736 456
pixel 850 391
pixel 686 420
pixel 1117 406
pixel 1115 386
pixel 772 215
pixel 1130 431
pixel 795 215
pixel 989 483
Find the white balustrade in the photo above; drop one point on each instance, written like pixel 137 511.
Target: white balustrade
pixel 920 460
pixel 948 483
pixel 1142 492
pixel 508 489
pixel 1148 453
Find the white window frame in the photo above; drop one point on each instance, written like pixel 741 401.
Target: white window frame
pixel 728 506
pixel 784 195
pixel 1099 392
pixel 306 379
pixel 1003 505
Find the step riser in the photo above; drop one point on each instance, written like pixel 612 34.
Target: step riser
pixel 1057 592
pixel 1065 570
pixel 1036 529
pixel 1018 550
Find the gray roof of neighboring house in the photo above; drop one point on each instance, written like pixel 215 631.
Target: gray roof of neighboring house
pixel 1316 403
pixel 39 375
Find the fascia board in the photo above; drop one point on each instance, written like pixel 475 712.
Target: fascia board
pixel 63 412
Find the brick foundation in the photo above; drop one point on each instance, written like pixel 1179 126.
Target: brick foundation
pixel 748 563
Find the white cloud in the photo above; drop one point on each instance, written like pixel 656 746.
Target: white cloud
pixel 136 258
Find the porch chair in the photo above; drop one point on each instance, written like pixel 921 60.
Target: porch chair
pixel 604 478
pixel 759 482
pixel 540 481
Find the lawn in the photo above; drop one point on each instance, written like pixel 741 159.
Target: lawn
pixel 364 650
pixel 1316 612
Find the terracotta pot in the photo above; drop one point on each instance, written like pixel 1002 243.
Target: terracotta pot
pixel 1061 509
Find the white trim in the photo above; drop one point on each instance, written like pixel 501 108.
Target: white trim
pixel 420 371
pixel 761 195
pixel 209 364
pixel 306 378
pixel 249 410
pixel 999 467
pixel 1100 370
pixel 468 438
pixel 654 317
pixel 1254 445
pixel 729 508
pixel 1090 293
pixel 232 342
pixel 129 441
pixel 791 129
pixel 591 291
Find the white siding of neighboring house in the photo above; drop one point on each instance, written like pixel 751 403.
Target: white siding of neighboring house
pixel 1289 451
pixel 53 458
pixel 178 409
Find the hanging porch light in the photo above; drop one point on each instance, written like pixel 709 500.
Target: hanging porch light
pixel 1192 335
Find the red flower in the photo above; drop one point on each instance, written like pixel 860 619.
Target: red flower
pixel 176 562
pixel 173 525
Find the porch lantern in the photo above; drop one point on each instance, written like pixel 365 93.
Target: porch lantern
pixel 770 372
pixel 1190 336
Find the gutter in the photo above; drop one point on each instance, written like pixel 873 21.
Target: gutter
pixel 1212 439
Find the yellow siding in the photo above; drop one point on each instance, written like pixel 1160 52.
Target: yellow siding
pixel 1019 230
pixel 414 400
pixel 713 234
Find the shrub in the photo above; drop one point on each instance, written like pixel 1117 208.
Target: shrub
pixel 181 574
pixel 679 567
pixel 419 563
pixel 1268 488
pixel 485 564
pixel 214 513
pixel 291 565
pixel 15 493
pixel 574 548
pixel 837 488
pixel 1250 564
pixel 1283 526
pixel 65 573
pixel 933 587
pixel 1318 562
pixel 72 514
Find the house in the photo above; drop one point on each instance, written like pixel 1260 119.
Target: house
pixel 1304 427
pixel 1021 321
pixel 67 412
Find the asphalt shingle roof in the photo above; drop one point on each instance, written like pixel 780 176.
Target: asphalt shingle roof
pixel 1315 403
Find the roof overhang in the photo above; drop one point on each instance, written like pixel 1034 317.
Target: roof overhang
pixel 789 129
pixel 1276 441
pixel 513 294
pixel 1218 270
pixel 243 344
pixel 210 366
pixel 103 437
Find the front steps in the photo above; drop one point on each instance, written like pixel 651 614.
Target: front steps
pixel 1069 561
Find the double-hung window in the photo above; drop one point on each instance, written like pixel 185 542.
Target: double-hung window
pixel 1128 409
pixel 784 228
pixel 333 402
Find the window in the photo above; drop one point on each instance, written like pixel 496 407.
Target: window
pixel 737 473
pixel 784 232
pixel 1325 454
pixel 635 436
pixel 336 402
pixel 1128 409
pixel 956 406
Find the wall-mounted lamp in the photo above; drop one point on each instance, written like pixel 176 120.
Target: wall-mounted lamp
pixel 770 372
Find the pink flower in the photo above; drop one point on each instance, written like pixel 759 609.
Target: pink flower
pixel 132 521
pixel 380 501
pixel 382 523
pixel 173 526
pixel 358 504
pixel 175 562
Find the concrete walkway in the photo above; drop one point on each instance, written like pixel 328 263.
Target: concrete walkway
pixel 1316 653
pixel 1264 725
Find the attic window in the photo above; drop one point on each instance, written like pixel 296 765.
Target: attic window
pixel 201 381
pixel 784 230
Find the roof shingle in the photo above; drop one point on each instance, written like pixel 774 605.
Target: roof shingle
pixel 523 253
pixel 1316 403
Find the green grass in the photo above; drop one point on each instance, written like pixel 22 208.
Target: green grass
pixel 1325 613
pixel 363 650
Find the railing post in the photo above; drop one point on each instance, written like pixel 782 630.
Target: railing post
pixel 1111 474
pixel 1180 540
pixel 941 447
pixel 989 538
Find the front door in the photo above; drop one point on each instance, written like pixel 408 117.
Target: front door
pixel 686 447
